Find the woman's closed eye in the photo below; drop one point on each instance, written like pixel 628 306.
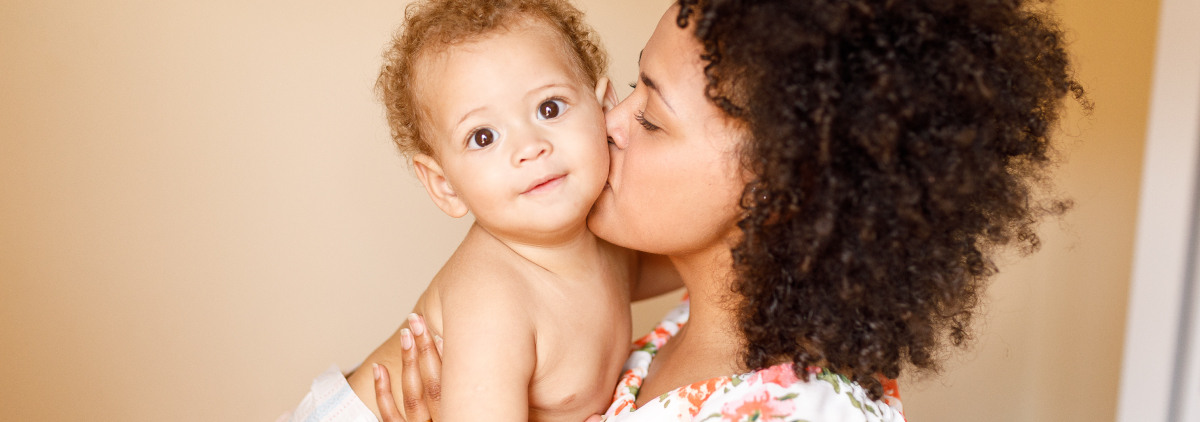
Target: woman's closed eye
pixel 641 119
pixel 481 138
pixel 551 108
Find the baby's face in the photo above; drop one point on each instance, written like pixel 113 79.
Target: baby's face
pixel 519 138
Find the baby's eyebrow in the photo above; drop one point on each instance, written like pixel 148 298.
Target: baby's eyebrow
pixel 548 86
pixel 468 114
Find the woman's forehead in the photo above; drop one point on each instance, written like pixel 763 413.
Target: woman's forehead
pixel 671 60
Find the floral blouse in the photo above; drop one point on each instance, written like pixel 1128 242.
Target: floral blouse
pixel 770 394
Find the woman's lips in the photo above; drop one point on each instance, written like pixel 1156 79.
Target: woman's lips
pixel 545 184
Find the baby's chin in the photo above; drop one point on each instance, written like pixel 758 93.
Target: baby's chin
pixel 549 228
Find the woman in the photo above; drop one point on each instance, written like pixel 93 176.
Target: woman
pixel 829 178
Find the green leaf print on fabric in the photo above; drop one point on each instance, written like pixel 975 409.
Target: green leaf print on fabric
pixel 831 379
pixel 789 396
pixel 854 401
pixel 633 389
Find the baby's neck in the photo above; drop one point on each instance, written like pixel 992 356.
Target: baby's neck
pixel 570 257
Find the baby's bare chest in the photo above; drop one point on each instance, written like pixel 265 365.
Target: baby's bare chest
pixel 580 353
pixel 576 378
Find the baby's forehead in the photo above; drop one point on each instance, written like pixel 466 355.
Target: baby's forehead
pixel 527 42
pixel 494 71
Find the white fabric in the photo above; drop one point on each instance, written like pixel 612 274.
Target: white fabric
pixel 330 400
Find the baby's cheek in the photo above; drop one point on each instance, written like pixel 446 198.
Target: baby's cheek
pixel 483 198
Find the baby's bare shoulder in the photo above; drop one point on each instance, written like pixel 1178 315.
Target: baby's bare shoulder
pixel 482 276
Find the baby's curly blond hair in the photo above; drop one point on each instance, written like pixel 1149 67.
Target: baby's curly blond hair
pixel 431 25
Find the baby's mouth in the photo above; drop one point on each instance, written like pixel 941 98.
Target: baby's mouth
pixel 545 183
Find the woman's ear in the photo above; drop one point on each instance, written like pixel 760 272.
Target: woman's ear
pixel 438 187
pixel 606 94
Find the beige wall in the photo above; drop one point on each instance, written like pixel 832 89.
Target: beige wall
pixel 200 210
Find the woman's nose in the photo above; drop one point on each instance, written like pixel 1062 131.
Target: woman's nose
pixel 616 122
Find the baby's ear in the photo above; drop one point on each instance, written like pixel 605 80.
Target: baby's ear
pixel 606 94
pixel 438 186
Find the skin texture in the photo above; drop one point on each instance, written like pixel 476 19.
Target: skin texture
pixel 529 276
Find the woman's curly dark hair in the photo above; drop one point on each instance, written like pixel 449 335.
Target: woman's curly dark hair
pixel 895 144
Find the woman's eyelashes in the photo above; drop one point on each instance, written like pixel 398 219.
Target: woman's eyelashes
pixel 641 119
pixel 481 138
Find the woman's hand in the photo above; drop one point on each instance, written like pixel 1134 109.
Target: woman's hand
pixel 421 377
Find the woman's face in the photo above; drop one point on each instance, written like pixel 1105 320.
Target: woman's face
pixel 674 181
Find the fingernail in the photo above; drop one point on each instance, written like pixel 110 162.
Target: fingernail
pixel 418 326
pixel 375 367
pixel 437 341
pixel 406 339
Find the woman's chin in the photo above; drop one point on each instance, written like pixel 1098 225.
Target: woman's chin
pixel 601 219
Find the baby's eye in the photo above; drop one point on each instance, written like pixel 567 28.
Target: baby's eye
pixel 550 109
pixel 481 138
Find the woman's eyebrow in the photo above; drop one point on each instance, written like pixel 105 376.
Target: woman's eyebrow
pixel 650 84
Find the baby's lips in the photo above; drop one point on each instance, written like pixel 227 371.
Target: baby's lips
pixel 543 180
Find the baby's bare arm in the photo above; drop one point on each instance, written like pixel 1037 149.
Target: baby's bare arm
pixel 489 354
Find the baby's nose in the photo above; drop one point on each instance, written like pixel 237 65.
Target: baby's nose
pixel 533 148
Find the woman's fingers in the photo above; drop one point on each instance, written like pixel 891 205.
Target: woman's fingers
pixel 429 361
pixel 383 395
pixel 410 380
pixel 593 418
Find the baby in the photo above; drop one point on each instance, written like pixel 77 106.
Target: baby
pixel 500 105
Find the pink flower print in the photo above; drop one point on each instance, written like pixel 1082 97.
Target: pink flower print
pixel 696 394
pixel 781 375
pixel 658 337
pixel 756 405
pixel 890 387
